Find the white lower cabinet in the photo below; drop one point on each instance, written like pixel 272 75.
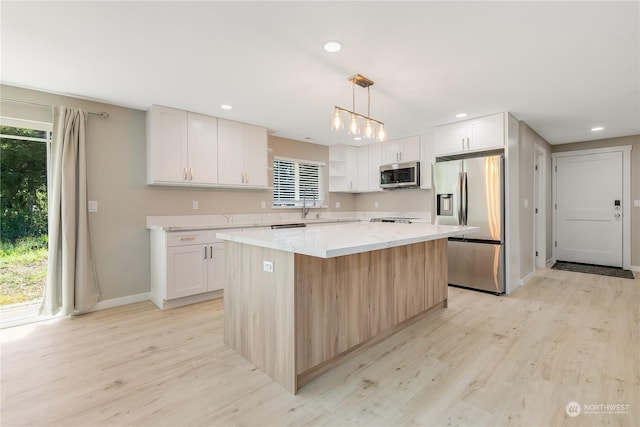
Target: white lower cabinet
pixel 186 267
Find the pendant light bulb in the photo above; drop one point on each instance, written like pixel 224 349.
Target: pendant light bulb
pixel 382 135
pixel 336 120
pixel 354 126
pixel 368 130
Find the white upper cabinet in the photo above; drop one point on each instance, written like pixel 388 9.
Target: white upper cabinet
pixel 375 161
pixel 231 149
pixel 427 157
pixel 254 142
pixel 362 182
pixel 242 150
pixel 202 151
pixel 166 146
pixel 355 169
pixel 185 148
pixel 483 133
pixel 182 147
pixel 401 150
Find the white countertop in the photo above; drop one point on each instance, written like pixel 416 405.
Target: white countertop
pixel 334 240
pixel 215 222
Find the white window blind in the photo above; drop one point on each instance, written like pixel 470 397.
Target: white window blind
pixel 297 182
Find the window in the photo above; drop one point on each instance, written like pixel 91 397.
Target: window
pixel 297 183
pixel 24 218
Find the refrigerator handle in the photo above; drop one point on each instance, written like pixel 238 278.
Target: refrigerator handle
pixel 465 198
pixel 460 198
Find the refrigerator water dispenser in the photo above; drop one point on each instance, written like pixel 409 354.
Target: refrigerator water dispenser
pixel 445 205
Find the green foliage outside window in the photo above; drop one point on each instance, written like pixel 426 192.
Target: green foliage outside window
pixel 23 184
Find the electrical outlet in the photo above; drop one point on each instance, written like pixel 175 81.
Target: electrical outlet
pixel 337 204
pixel 195 204
pixel 93 206
pixel 268 266
pixel 636 203
pixel 376 204
pixel 263 204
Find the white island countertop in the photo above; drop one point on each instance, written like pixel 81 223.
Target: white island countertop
pixel 328 241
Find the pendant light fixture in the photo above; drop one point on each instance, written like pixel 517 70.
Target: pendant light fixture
pixel 370 124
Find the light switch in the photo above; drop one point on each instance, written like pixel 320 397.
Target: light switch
pixel 526 203
pixel 93 206
pixel 195 204
pixel 263 204
pixel 337 204
pixel 376 205
pixel 636 203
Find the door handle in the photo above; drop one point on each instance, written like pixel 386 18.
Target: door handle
pixel 617 215
pixel 460 199
pixel 465 198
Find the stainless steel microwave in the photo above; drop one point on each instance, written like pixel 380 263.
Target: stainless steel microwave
pixel 400 175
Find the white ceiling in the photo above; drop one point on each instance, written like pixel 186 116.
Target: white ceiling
pixel 563 67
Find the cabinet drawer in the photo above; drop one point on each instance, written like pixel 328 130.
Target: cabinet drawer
pixel 181 238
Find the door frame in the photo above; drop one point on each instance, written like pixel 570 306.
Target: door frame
pixel 540 203
pixel 626 196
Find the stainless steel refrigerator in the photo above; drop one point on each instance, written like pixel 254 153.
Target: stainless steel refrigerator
pixel 470 192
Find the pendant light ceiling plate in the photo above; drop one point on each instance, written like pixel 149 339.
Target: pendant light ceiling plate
pixel 361 80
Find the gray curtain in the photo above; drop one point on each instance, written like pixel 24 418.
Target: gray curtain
pixel 72 286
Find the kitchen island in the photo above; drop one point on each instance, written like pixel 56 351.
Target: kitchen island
pixel 298 300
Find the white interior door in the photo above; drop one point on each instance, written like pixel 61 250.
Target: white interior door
pixel 589 208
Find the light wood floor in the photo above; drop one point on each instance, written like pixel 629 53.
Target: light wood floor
pixel 485 360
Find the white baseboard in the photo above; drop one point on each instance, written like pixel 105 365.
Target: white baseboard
pixel 174 303
pixel 634 267
pixel 526 278
pixel 116 302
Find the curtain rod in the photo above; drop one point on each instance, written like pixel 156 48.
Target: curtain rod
pixel 102 114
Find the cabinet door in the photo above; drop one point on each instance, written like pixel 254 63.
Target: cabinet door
pixel 362 169
pixel 203 149
pixel 391 151
pixel 410 149
pixel 486 132
pixel 166 145
pixel 230 153
pixel 375 161
pixel 427 157
pixel 450 138
pixel 254 140
pixel 186 270
pixel 216 267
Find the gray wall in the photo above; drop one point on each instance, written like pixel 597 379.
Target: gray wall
pixel 528 140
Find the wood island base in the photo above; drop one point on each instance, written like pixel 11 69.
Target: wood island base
pixel 309 313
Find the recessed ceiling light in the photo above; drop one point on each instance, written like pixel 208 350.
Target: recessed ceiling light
pixel 460 115
pixel 332 46
pixel 596 129
pixel 226 107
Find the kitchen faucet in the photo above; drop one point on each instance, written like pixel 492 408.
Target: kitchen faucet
pixel 305 208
